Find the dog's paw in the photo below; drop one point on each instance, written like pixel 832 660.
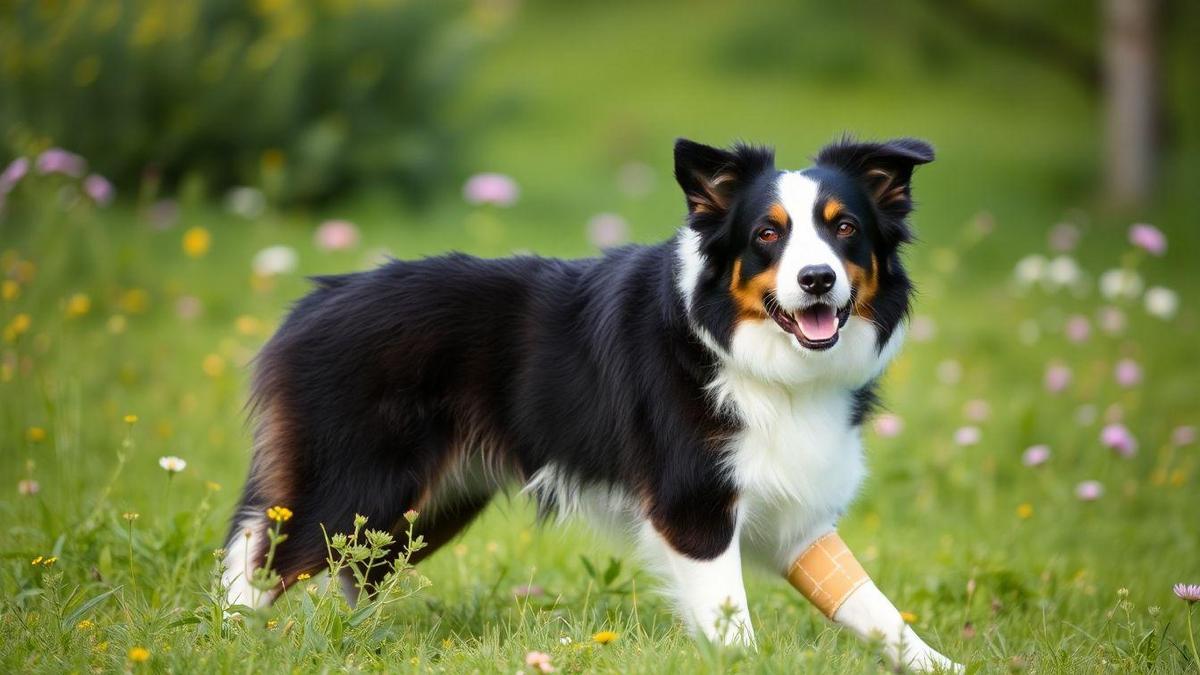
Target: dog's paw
pixel 916 656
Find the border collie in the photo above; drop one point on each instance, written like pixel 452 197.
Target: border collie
pixel 706 392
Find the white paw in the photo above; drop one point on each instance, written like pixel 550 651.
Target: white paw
pixel 917 656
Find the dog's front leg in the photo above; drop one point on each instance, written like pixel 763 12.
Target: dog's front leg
pixel 708 592
pixel 826 572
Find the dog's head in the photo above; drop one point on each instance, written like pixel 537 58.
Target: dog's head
pixel 802 252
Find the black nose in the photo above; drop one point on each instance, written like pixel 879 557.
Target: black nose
pixel 817 279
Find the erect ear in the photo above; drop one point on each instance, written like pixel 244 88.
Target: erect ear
pixel 884 169
pixel 710 176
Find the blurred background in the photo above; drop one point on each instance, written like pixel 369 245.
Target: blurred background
pixel 172 169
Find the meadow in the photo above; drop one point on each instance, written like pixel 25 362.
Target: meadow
pixel 1035 476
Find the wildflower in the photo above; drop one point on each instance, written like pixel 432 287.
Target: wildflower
pixel 1025 511
pixel 279 514
pixel 888 425
pixel 57 160
pixel 172 464
pixel 606 230
pixel 131 516
pixel 1036 455
pixel 163 214
pixel 1063 272
pixel 1188 592
pixel 275 260
pixel 247 325
pixel 13 173
pixel 1161 302
pixel 28 487
pixel 977 410
pixel 1121 283
pixel 604 637
pixel 196 242
pixel 271 624
pixel 37 561
pixel 968 435
pixel 188 307
pixel 564 640
pixel 1117 437
pixel 246 202
pixel 99 189
pixel 1063 237
pixel 86 624
pixel 213 365
pixel 1127 373
pixel 303 576
pixel 78 304
pixel 1078 328
pixel 212 486
pixel 17 327
pixel 336 235
pixel 139 654
pixel 411 516
pixel 1148 238
pixel 908 617
pixel 1057 377
pixel 539 660
pixel 135 301
pixel 1030 270
pixel 490 188
pixel 1089 491
pixel 1112 320
pixel 10 290
pixel 528 591
pixel 131 419
pixel 35 434
pixel 1184 435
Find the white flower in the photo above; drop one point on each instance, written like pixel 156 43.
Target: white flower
pixel 1063 272
pixel 246 202
pixel 275 260
pixel 172 464
pixel 1121 283
pixel 1161 302
pixel 1030 270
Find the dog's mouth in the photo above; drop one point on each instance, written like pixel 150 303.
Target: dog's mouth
pixel 814 327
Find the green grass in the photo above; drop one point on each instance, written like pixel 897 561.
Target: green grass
pixel 591 90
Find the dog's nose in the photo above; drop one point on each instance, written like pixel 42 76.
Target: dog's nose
pixel 817 279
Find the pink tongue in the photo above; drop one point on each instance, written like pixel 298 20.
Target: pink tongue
pixel 818 323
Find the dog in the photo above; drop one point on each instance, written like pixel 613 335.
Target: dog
pixel 705 394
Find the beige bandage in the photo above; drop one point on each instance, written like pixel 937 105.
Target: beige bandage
pixel 827 573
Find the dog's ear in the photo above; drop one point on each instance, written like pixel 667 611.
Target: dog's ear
pixel 884 169
pixel 710 177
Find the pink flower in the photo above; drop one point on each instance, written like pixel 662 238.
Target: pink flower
pixel 888 425
pixel 1112 320
pixel 606 230
pixel 967 435
pixel 28 487
pixel 1127 373
pixel 1064 237
pixel 1181 436
pixel 57 160
pixel 490 188
pixel 528 591
pixel 336 235
pixel 977 410
pixel 1078 328
pixel 539 660
pixel 13 173
pixel 1036 455
pixel 99 189
pixel 1058 376
pixel 1089 491
pixel 1188 592
pixel 1148 238
pixel 1117 437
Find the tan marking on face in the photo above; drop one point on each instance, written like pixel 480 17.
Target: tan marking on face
pixel 832 208
pixel 748 293
pixel 866 285
pixel 778 215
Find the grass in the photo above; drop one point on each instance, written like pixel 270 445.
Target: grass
pixel 1001 565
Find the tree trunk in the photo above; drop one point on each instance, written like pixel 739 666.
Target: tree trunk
pixel 1131 91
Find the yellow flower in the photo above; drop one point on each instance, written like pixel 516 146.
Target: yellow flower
pixel 302 576
pixel 196 242
pixel 134 301
pixel 86 624
pixel 908 617
pixel 1025 511
pixel 139 654
pixel 78 305
pixel 212 486
pixel 131 516
pixel 247 325
pixel 604 637
pixel 37 561
pixel 49 561
pixel 19 324
pixel 35 434
pixel 11 289
pixel 213 365
pixel 116 324
pixel 271 624
pixel 131 419
pixel 279 514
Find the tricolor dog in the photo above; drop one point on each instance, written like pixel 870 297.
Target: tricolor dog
pixel 704 394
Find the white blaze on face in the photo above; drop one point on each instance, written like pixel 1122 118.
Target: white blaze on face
pixel 804 247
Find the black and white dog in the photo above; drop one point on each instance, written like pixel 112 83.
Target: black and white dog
pixel 706 393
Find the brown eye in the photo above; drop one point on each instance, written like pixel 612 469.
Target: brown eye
pixel 768 235
pixel 846 228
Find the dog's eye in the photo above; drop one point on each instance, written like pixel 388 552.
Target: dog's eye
pixel 846 228
pixel 768 235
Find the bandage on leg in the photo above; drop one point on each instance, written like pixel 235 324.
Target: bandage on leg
pixel 826 573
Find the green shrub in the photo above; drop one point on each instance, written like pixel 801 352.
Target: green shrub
pixel 306 99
